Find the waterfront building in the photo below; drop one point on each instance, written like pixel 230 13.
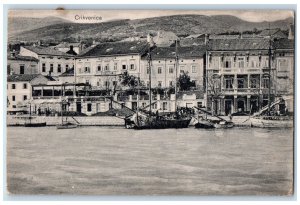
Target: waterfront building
pixel 164 68
pixel 50 61
pixel 237 73
pixel 17 64
pixel 19 90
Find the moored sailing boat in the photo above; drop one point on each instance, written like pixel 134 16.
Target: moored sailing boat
pixel 266 118
pixel 65 124
pixel 147 120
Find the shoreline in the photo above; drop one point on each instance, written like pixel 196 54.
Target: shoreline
pixel 111 121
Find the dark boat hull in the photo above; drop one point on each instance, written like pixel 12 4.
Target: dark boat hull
pixel 204 125
pixel 160 124
pixel 41 124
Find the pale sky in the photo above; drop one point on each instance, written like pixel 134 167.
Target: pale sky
pixel 108 15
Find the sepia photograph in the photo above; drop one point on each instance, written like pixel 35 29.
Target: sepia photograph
pixel 150 102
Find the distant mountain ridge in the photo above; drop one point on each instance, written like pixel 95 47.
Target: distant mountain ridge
pixel 20 24
pixel 58 29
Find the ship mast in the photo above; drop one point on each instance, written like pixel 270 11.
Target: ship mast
pixel 176 64
pixel 149 67
pixel 269 73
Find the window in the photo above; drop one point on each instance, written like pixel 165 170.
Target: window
pixel 67 67
pixel 51 67
pixel 43 67
pixel 25 86
pixel 159 83
pixel 199 104
pixel 24 97
pixel 228 83
pixel 13 98
pixel 115 83
pixel 22 69
pixel 227 64
pixel 106 68
pixel 87 82
pixel 14 106
pixel 241 83
pixel 86 69
pixel 99 68
pixel 253 83
pixel 89 107
pixel 13 86
pixel 132 67
pixel 165 105
pixel 115 66
pixel 241 62
pixel 159 70
pixel 265 83
pixel 124 67
pixel 98 83
pixel 282 65
pixel 58 68
pixel 194 69
pixel 171 69
pixel 106 84
pixel 148 70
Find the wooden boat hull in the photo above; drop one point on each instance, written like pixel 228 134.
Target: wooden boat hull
pixel 35 124
pixel 66 126
pixel 224 126
pixel 266 122
pixel 159 124
pixel 204 125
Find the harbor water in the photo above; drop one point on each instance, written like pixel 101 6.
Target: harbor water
pixel 115 161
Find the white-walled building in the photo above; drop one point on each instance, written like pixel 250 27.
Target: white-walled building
pixel 19 89
pixel 50 61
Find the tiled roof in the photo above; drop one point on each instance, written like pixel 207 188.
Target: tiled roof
pixel 67 45
pixel 46 51
pixel 268 32
pixel 170 52
pixel 115 48
pixel 69 72
pixel 22 78
pixel 238 44
pixel 50 78
pixel 23 58
pixel 284 44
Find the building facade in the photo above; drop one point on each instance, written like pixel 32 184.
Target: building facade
pixel 22 65
pixel 19 90
pixel 50 61
pixel 237 74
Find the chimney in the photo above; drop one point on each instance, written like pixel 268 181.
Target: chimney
pixel 206 39
pixel 71 47
pixel 291 33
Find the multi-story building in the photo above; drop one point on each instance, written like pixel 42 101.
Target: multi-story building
pixel 50 61
pixel 237 74
pixel 164 68
pixel 17 64
pixel 19 90
pixel 101 66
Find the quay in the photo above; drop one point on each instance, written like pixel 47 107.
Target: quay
pixel 11 120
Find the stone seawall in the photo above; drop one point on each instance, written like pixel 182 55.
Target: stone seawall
pixel 240 121
pixel 84 121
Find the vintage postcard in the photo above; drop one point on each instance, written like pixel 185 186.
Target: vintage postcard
pixel 150 102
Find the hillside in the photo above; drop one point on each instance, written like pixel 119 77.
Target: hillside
pixel 179 24
pixel 18 25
